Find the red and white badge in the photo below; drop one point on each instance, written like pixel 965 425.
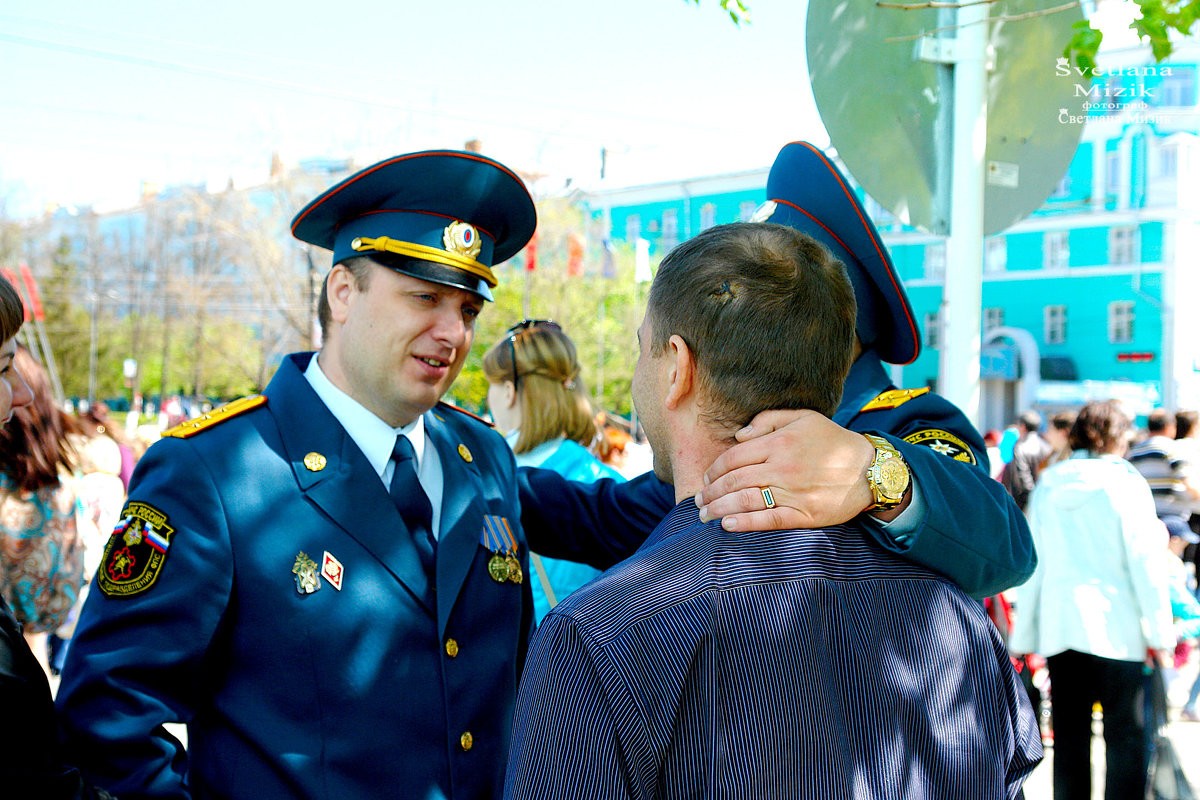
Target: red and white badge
pixel 332 570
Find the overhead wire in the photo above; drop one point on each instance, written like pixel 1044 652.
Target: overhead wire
pixel 374 101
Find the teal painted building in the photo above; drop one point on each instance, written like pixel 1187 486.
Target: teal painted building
pixel 1089 297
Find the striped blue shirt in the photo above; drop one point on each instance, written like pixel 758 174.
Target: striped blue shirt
pixel 796 664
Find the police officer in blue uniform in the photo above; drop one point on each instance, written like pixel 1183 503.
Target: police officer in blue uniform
pixel 952 516
pixel 326 583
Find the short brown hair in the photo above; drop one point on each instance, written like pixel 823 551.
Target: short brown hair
pixel 549 387
pixel 1185 421
pixel 1063 421
pixel 12 311
pixel 1101 427
pixel 768 314
pixel 360 268
pixel 1158 420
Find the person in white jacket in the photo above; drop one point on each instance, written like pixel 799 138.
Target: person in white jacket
pixel 1097 603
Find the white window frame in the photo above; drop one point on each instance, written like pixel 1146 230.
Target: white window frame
pixel 935 260
pixel 993 318
pixel 1123 244
pixel 1056 250
pixel 932 330
pixel 633 228
pixel 1120 322
pixel 1062 189
pixel 708 216
pixel 1174 87
pixel 1112 172
pixel 746 210
pixel 670 228
pixel 1054 324
pixel 995 254
pixel 1168 161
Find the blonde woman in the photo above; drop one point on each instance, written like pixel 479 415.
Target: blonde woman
pixel 537 400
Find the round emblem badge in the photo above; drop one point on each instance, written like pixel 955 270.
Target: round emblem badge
pixel 462 238
pixel 943 442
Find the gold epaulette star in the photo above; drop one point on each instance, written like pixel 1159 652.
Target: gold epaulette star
pixel 228 411
pixel 893 398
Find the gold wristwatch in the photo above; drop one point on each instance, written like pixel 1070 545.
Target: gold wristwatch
pixel 887 476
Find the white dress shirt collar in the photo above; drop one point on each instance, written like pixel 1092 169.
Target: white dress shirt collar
pixel 374 437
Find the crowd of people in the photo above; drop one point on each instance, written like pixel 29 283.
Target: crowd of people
pixel 346 588
pixel 1113 606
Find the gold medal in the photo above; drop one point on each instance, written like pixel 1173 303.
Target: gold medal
pixel 307 576
pixel 514 570
pixel 499 569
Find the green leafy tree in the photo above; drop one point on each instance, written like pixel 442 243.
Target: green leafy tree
pixel 600 314
pixel 738 11
pixel 1158 20
pixel 68 322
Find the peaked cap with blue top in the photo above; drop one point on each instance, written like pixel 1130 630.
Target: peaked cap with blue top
pixel 445 216
pixel 806 191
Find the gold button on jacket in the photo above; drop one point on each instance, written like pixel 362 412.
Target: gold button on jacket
pixel 467 741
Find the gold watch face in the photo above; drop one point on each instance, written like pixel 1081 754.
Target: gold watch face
pixel 892 478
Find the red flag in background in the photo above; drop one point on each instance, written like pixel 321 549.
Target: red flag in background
pixel 531 254
pixel 31 289
pixel 11 277
pixel 574 255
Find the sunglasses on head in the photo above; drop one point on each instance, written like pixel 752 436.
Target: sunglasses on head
pixel 517 330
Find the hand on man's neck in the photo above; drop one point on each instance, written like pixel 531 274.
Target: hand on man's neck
pixel 694 454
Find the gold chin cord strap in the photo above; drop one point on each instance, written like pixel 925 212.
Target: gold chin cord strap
pixel 384 244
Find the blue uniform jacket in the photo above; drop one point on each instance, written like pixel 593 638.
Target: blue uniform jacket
pixel 972 531
pixel 346 693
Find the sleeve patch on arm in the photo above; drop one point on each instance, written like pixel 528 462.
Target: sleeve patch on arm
pixel 135 552
pixel 942 442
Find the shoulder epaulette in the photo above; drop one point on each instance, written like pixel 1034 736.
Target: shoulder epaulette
pixel 893 398
pixel 228 411
pixel 444 404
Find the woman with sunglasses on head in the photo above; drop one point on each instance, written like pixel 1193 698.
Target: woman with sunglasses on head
pixel 30 764
pixel 537 400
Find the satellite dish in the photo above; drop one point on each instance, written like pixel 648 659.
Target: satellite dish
pixel 880 103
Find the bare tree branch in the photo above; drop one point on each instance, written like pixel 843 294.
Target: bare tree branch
pixel 935 4
pixel 1004 18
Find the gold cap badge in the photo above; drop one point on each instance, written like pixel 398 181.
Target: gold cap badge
pixel 462 238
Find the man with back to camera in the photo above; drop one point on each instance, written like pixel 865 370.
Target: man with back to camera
pixel 1165 465
pixel 807 664
pixel 1029 451
pixel 952 517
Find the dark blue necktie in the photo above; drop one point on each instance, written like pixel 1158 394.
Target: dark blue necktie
pixel 412 502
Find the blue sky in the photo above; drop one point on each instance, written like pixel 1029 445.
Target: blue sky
pixel 101 96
